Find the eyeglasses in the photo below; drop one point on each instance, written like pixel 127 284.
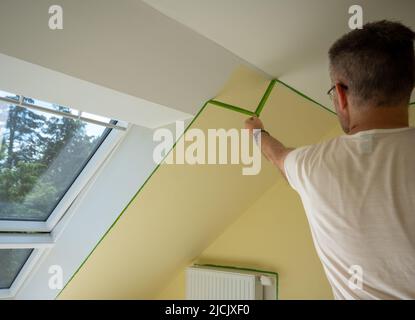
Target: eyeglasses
pixel 331 91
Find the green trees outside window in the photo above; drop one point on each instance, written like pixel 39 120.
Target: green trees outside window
pixel 40 157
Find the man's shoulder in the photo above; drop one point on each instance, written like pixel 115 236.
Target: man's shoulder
pixel 316 155
pixel 327 145
pixel 310 148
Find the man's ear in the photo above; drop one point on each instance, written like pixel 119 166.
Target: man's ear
pixel 342 98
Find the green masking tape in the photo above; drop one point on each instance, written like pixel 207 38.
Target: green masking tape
pixel 265 97
pixel 231 107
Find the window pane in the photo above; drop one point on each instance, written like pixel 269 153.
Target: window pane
pixel 11 262
pixel 40 156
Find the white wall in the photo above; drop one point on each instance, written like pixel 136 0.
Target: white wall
pixel 99 206
pixel 31 80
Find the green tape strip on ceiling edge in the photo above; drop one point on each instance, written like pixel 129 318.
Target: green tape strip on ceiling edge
pixel 306 97
pixel 312 100
pixel 265 97
pixel 243 269
pixel 258 110
pixel 231 107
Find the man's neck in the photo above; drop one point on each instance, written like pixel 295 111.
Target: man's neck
pixel 363 127
pixel 381 119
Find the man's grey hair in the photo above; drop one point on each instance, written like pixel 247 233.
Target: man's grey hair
pixel 376 63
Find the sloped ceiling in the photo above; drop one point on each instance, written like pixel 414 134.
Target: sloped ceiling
pixel 183 208
pixel 126 46
pixel 288 39
pixel 180 53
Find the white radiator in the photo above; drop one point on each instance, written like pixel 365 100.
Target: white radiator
pixel 210 283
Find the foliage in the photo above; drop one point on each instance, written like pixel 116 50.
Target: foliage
pixel 40 156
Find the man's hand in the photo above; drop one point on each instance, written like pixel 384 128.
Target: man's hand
pixel 272 149
pixel 253 123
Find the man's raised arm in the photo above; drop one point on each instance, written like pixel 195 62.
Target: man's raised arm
pixel 272 149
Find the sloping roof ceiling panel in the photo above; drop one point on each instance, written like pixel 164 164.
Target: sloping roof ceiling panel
pixel 287 39
pixel 183 208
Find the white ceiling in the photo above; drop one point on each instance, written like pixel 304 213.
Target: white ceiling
pixel 288 39
pixel 126 46
pixel 180 57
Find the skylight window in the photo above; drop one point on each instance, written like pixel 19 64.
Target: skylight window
pixel 40 157
pixel 11 262
pixel 45 148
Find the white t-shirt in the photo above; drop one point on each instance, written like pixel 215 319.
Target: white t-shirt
pixel 358 192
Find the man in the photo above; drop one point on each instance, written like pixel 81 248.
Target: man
pixel 358 190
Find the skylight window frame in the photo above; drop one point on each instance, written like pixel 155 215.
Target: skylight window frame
pixel 40 243
pixel 42 235
pixel 76 186
pixel 24 273
pixel 21 103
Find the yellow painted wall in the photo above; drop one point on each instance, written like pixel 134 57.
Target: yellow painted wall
pixel 214 214
pixel 183 209
pixel 273 235
pixel 177 214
